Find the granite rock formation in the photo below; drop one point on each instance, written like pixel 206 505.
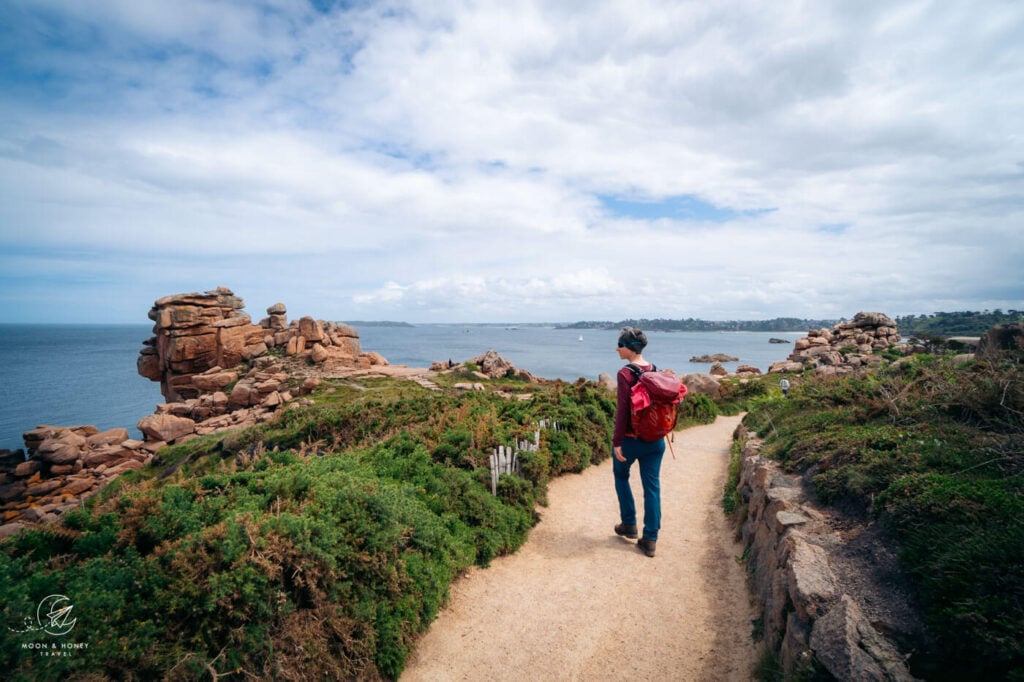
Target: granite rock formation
pixel 490 365
pixel 194 332
pixel 718 369
pixel 199 340
pixel 217 371
pixel 65 465
pixel 843 348
pixel 717 357
pixel 702 383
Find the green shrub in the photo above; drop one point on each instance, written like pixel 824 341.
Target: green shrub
pixel 934 450
pixel 319 546
pixel 697 409
pixel 739 393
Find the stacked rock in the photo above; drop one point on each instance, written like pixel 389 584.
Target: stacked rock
pixel 846 346
pixel 215 367
pixel 65 466
pixel 808 611
pixel 194 332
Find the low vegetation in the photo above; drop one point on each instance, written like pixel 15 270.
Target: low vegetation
pixel 318 547
pixel 933 448
pixel 324 544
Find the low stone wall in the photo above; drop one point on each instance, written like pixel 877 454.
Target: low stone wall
pixel 810 619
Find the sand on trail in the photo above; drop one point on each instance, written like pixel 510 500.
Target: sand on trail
pixel 577 602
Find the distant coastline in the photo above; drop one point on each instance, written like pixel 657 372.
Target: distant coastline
pixel 778 324
pixel 376 323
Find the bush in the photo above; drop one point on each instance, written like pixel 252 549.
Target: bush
pixel 935 451
pixel 697 409
pixel 738 394
pixel 320 546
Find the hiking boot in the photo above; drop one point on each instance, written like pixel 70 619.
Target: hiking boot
pixel 626 530
pixel 646 546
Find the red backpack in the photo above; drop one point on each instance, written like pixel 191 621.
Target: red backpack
pixel 654 402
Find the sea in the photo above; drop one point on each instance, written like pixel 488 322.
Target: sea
pixel 69 375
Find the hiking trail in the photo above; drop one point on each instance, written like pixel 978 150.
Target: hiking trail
pixel 576 602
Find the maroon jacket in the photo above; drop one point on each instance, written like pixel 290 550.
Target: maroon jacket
pixel 623 412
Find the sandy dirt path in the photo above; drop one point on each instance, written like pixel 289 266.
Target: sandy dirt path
pixel 577 602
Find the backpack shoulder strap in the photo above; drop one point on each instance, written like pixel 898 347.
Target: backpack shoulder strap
pixel 637 370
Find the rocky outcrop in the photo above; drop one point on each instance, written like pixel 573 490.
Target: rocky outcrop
pixel 194 332
pixel 845 347
pixel 717 357
pixel 218 370
pixel 65 465
pixel 490 365
pixel 700 383
pixel 816 610
pixel 200 338
pixel 718 370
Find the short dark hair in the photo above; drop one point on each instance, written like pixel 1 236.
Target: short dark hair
pixel 633 339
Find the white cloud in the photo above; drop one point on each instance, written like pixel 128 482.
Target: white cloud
pixel 444 160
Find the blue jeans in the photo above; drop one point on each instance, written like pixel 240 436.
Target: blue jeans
pixel 649 457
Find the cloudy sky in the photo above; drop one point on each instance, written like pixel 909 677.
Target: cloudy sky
pixel 517 161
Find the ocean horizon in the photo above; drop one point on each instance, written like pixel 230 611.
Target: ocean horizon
pixel 76 374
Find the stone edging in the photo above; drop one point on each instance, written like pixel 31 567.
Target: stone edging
pixel 809 619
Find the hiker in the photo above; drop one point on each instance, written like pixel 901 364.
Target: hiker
pixel 628 449
pixel 784 385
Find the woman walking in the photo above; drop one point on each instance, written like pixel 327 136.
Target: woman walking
pixel 628 449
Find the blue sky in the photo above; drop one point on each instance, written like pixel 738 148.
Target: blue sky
pixel 511 161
